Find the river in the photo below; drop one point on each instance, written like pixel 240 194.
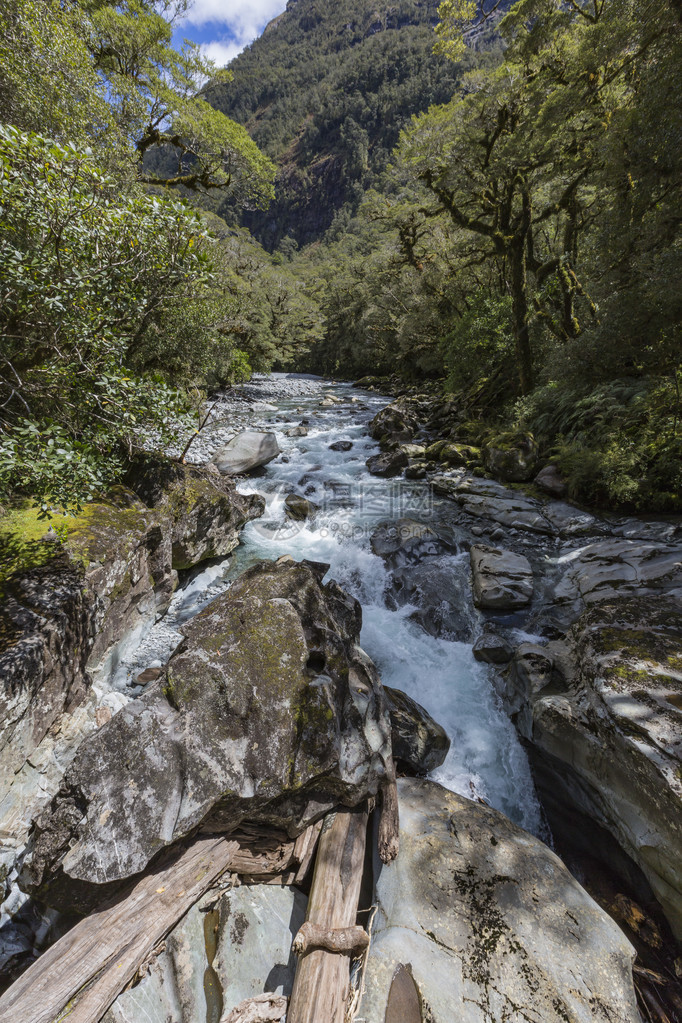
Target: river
pixel 486 760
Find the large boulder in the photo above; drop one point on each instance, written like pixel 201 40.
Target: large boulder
pixel 248 450
pixel 420 744
pixel 502 580
pixel 512 457
pixel 619 567
pixel 299 508
pixel 603 711
pixel 270 711
pixel 478 922
pixel 204 510
pixel 488 499
pixel 387 463
pixel 234 948
pixel 395 424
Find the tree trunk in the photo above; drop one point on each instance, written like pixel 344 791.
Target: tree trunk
pixel 519 284
pixel 322 983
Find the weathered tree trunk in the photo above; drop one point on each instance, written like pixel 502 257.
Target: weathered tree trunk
pixel 389 821
pixel 87 968
pixel 322 983
pixel 519 285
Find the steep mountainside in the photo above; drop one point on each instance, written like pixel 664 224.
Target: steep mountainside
pixel 325 92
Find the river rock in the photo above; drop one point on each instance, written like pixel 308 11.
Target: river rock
pixel 298 431
pixel 502 580
pixel 550 480
pixel 490 648
pixel 246 451
pixel 341 445
pixel 609 729
pixel 420 744
pixel 406 541
pixel 433 586
pixel 205 511
pixel 227 948
pixel 618 567
pixel 489 925
pixel 387 463
pixel 299 508
pixel 270 711
pixel 512 457
pixel 395 424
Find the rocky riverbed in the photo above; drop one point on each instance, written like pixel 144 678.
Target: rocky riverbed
pixel 159 680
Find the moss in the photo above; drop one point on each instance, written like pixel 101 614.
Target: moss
pixel 28 541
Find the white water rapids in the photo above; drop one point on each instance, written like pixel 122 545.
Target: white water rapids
pixel 486 759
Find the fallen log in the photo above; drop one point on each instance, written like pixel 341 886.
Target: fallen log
pixel 389 821
pixel 322 982
pixel 340 939
pixel 88 968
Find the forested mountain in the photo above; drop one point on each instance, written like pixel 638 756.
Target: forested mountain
pixel 325 92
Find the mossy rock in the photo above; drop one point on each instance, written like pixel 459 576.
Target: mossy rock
pixel 511 457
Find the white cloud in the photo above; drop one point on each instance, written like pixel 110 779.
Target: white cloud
pixel 222 52
pixel 241 20
pixel 243 17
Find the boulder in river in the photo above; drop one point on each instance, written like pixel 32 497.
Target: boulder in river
pixel 387 463
pixel 395 424
pixel 248 450
pixel 490 648
pixel 269 711
pixel 502 580
pixel 298 431
pixel 420 744
pixel 341 445
pixel 299 508
pixel 478 921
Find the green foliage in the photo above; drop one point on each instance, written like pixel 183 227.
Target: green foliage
pixel 479 342
pixel 325 92
pixel 84 271
pixel 619 445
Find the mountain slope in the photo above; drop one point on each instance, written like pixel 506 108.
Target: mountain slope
pixel 325 91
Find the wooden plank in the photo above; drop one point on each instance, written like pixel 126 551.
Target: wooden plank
pixel 322 983
pixel 88 968
pixel 389 821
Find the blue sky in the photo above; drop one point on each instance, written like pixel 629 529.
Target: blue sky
pixel 225 27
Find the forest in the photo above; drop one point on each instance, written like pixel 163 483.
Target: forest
pixel 492 214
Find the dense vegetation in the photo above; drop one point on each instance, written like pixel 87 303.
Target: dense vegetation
pixel 494 210
pixel 325 92
pixel 526 246
pixel 119 306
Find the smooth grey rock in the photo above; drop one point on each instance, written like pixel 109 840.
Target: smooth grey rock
pixel 490 500
pixel 610 730
pixel 406 541
pixel 246 451
pixel 618 567
pixel 419 743
pixel 299 508
pixel 433 586
pixel 512 457
pixel 502 580
pixel 550 480
pixel 341 445
pixel 490 923
pixel 387 463
pixel 492 649
pixel 217 957
pixel 395 424
pixel 298 431
pixel 270 710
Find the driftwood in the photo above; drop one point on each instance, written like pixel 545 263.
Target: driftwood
pixel 389 822
pixel 88 968
pixel 340 939
pixel 322 983
pixel 262 1009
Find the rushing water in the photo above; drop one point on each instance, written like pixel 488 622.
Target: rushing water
pixel 485 759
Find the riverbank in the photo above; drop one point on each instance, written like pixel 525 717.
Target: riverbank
pixel 406 549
